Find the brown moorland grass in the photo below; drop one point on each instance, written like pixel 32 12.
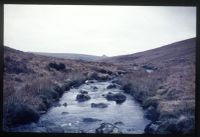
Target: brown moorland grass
pixel 169 91
pixel 167 94
pixel 31 85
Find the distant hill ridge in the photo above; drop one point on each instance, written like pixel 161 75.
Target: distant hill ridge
pixel 177 51
pixel 73 56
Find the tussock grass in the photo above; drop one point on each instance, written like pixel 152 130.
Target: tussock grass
pixel 37 93
pixel 169 93
pixel 176 108
pixel 36 90
pixel 141 84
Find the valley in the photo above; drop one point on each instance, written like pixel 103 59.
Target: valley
pixel 157 87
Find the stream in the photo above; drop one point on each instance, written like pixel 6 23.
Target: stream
pixel 70 116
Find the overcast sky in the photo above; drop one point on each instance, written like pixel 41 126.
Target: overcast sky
pixel 95 30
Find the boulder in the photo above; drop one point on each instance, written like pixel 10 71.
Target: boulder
pixel 112 86
pixel 91 120
pixel 65 104
pixel 151 128
pixel 168 127
pixel 186 125
pixel 127 88
pixel 151 113
pixel 94 88
pixel 99 105
pixel 118 97
pixel 65 113
pixel 103 95
pixel 84 92
pixel 55 129
pixel 82 97
pixel 107 128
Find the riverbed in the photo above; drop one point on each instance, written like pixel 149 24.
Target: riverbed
pixel 71 116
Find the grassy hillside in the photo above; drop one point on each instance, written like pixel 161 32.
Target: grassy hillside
pixel 163 81
pixel 32 83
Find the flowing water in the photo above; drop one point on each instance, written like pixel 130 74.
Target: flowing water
pixel 127 116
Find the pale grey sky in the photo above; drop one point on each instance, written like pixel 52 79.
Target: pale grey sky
pixel 96 30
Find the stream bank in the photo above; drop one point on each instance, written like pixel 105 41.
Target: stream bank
pixel 98 114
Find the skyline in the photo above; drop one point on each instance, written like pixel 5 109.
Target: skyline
pixel 96 30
